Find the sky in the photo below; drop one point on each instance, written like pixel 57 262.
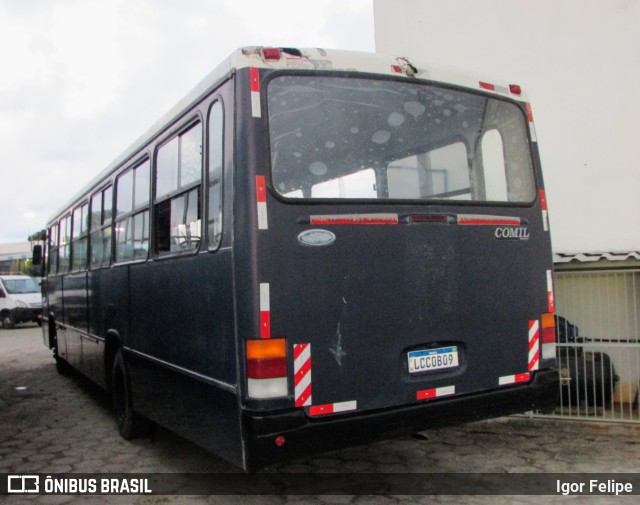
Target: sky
pixel 80 80
pixel 579 62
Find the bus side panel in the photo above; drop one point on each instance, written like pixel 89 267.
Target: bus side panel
pixel 184 313
pixel 183 335
pixel 93 350
pixel 74 294
pixel 198 411
pixel 53 296
pixel 70 337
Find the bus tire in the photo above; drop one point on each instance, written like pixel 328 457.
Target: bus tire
pixel 130 424
pixel 62 366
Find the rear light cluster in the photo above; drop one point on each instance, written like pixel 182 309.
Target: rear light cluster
pixel 548 335
pixel 267 368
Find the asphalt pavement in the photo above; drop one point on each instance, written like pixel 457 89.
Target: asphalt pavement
pixel 53 424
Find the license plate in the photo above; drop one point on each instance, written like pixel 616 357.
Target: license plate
pixel 433 359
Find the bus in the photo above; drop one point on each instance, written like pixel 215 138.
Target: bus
pixel 313 249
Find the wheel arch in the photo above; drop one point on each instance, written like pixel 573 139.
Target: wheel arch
pixel 113 342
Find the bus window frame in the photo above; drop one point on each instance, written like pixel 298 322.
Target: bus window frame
pixel 215 99
pixel 84 234
pixel 53 228
pixel 67 215
pixel 178 128
pixel 106 185
pixel 116 218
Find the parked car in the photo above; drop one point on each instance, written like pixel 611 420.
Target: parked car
pixel 20 300
pixel 588 378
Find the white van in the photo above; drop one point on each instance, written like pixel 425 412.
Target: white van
pixel 20 300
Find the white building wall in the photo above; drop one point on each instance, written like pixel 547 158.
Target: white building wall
pixel 578 62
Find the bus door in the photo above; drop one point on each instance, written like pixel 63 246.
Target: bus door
pixel 403 254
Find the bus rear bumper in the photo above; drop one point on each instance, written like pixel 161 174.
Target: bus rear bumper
pixel 304 436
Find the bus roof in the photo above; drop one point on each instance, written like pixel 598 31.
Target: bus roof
pixel 300 58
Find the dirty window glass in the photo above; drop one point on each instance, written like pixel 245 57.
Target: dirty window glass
pixel 177 221
pixel 179 162
pixel 354 138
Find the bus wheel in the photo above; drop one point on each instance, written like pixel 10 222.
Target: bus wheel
pixel 62 367
pixel 130 424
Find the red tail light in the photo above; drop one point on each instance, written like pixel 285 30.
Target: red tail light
pixel 548 334
pixel 266 368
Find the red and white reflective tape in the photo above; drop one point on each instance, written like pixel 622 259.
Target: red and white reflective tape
pixel 479 219
pixel 505 90
pixel 534 345
pixel 333 408
pixel 461 219
pixel 265 311
pixel 254 78
pixel 514 379
pixel 354 219
pixel 302 374
pixel 427 394
pixel 261 202
pixel 545 212
pixel 532 127
pixel 551 306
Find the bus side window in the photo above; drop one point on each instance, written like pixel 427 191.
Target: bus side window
pixel 64 251
pixel 101 228
pixel 177 223
pixel 53 249
pixel 79 240
pixel 216 157
pixel 132 213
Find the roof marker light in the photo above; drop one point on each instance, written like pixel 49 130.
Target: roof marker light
pixel 515 89
pixel 271 53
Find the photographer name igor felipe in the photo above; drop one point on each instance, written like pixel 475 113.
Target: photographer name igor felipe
pixel 594 487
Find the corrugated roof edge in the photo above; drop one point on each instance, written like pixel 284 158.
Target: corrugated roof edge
pixel 589 257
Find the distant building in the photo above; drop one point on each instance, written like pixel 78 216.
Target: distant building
pixel 15 258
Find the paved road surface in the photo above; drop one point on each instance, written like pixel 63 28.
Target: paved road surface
pixel 55 424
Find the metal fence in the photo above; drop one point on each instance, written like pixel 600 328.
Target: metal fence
pixel 598 345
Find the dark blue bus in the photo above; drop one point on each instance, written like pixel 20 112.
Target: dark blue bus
pixel 313 249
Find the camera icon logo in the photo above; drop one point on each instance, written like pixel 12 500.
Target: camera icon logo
pixel 22 484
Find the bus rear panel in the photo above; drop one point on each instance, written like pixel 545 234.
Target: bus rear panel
pixel 401 259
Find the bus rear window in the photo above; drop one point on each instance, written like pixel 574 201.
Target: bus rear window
pixel 355 138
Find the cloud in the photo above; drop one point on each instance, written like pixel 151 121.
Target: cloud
pixel 82 80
